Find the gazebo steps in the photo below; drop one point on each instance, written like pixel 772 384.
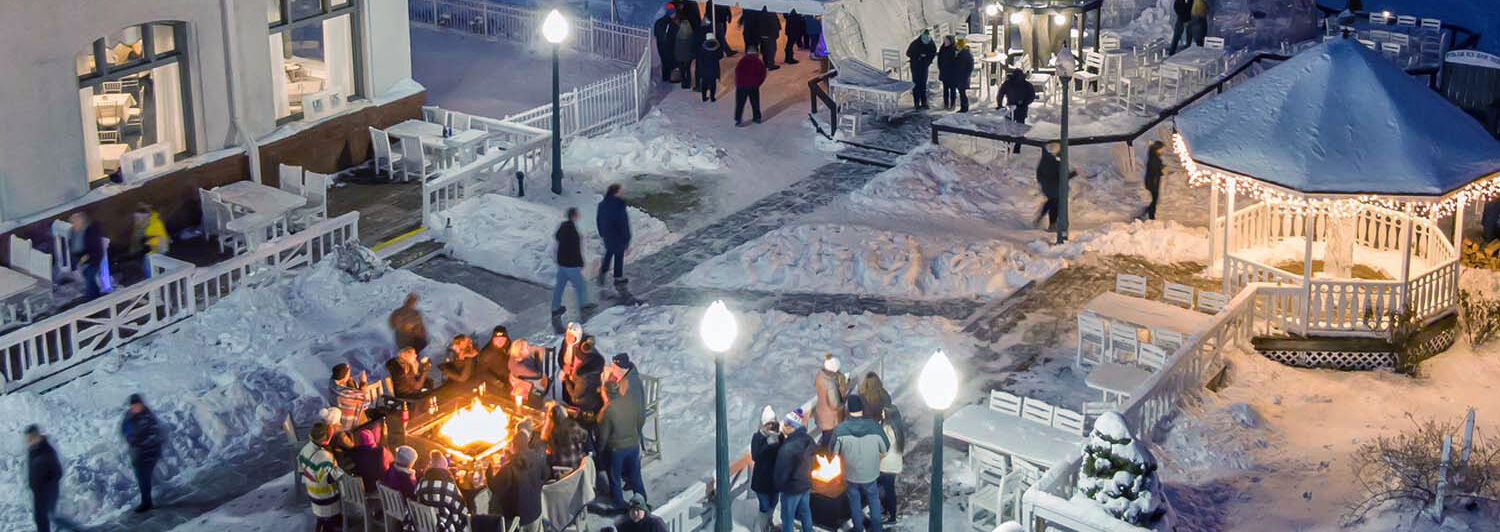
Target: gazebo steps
pixel 1360 353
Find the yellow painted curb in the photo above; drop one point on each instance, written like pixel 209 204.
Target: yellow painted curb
pixel 398 239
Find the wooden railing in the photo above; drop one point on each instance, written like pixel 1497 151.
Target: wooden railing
pixel 63 343
pixel 817 93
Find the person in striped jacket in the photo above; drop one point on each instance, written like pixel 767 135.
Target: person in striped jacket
pixel 320 475
pixel 349 393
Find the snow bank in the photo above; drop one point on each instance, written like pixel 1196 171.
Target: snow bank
pixel 857 260
pixel 222 380
pixel 773 363
pixel 1163 242
pixel 650 146
pixel 513 236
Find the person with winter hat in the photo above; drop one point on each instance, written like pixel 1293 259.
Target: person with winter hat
pixel 793 474
pixel 145 439
pixel 582 381
pixel 409 374
pixel 462 356
pixel 945 58
pixel 665 32
pixel 371 460
pixel 438 490
pixel 320 476
pixel 860 442
pixel 44 478
pixel 749 75
pixel 708 68
pixel 528 379
pixel 348 393
pixel 623 371
pixel 555 366
pixel 619 433
pixel 493 362
pixel 402 475
pixel 920 53
pixel 832 387
pixel 638 517
pixel 763 447
pixel 891 462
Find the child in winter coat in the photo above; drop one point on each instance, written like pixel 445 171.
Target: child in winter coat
pixel 370 459
pixel 708 68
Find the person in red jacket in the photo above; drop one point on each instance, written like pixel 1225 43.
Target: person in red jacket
pixel 749 74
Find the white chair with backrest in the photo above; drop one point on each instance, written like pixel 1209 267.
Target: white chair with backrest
pixel 890 62
pixel 352 500
pixel 1091 341
pixel 1406 20
pixel 108 117
pixel 1130 285
pixel 414 161
pixel 1212 302
pixel 458 121
pixel 1152 357
pixel 1109 42
pixel 1168 339
pixel 1177 294
pixel 290 178
pixel 393 505
pixel 1170 78
pixel 1213 43
pixel 1036 411
pixel 315 190
pixel 1370 44
pixel 1092 71
pixel 1432 24
pixel 434 114
pixel 424 517
pixel 1401 38
pixel 1123 342
pixel 1005 403
pixel 112 87
pixel 1377 17
pixel 385 159
pixel 1380 35
pixel 1390 50
pixel 216 218
pixel 1067 421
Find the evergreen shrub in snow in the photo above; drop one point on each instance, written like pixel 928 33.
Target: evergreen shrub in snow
pixel 1119 473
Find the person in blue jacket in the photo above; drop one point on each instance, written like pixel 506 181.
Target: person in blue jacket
pixel 145 439
pixel 614 228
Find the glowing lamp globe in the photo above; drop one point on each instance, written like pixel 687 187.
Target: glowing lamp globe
pixel 992 9
pixel 1017 17
pixel 555 27
pixel 718 328
pixel 938 382
pixel 1059 19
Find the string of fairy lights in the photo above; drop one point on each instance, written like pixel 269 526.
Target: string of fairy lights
pixel 1481 190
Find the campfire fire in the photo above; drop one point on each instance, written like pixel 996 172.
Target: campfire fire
pixel 828 469
pixel 476 423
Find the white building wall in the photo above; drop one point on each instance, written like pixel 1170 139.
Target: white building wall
pixel 387 45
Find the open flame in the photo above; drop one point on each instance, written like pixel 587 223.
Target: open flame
pixel 828 469
pixel 476 423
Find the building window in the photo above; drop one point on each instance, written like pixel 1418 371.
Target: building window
pixel 133 91
pixel 312 50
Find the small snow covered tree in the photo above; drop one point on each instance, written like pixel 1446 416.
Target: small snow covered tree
pixel 1119 473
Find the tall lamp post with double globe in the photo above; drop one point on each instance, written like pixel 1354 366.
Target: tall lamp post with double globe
pixel 719 330
pixel 939 387
pixel 1066 64
pixel 555 29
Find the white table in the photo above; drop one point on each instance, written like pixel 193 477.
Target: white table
pixel 1036 443
pixel 431 136
pixel 118 100
pixel 261 199
pixel 1198 60
pixel 1149 314
pixel 110 153
pixel 13 282
pixel 1116 379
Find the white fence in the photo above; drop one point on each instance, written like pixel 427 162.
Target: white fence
pixel 620 99
pixel 175 291
pixel 512 148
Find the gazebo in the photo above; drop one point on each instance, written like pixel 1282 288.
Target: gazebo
pixel 1044 25
pixel 1347 165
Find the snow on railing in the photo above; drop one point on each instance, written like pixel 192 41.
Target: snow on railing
pixel 176 290
pixel 512 148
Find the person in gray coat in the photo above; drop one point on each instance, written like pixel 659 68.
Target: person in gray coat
pixel 859 442
pixel 619 434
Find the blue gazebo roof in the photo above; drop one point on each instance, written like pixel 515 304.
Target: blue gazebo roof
pixel 1340 119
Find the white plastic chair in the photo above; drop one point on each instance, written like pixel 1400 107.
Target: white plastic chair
pixel 290 178
pixel 393 505
pixel 1092 71
pixel 458 121
pixel 1432 24
pixel 315 190
pixel 1090 333
pixel 890 62
pixel 434 114
pixel 1005 403
pixel 216 217
pixel 1213 43
pixel 1123 341
pixel 1130 285
pixel 1406 20
pixel 414 161
pixel 352 496
pixel 385 160
pixel 424 517
pixel 1169 340
pixel 1177 294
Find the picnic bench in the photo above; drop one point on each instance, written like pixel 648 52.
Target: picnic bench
pixel 1023 428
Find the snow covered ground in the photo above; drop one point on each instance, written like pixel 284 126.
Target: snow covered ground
pixel 222 381
pixel 651 146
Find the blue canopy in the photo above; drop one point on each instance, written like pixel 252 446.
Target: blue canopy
pixel 1340 119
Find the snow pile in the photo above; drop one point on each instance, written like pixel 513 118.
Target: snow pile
pixel 1119 473
pixel 651 146
pixel 839 259
pixel 222 381
pixel 514 237
pixel 1163 242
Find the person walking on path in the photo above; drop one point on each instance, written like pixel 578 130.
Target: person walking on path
pixel 144 436
pixel 963 69
pixel 945 56
pixel 1017 93
pixel 860 442
pixel 619 432
pixel 828 411
pixel 763 447
pixel 569 266
pixel 1152 179
pixel 920 53
pixel 796 27
pixel 665 33
pixel 1182 12
pixel 44 477
pixel 1047 171
pixel 749 75
pixel 1198 25
pixel 320 476
pixel 708 68
pixel 613 221
pixel 408 326
pixel 793 475
pixel 86 240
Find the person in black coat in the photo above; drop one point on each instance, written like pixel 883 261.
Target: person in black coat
pixel 1182 11
pixel 763 447
pixel 145 439
pixel 583 383
pixel 920 53
pixel 1016 92
pixel 613 221
pixel 749 28
pixel 569 265
pixel 945 57
pixel 1047 172
pixel 793 473
pixel 708 72
pixel 638 518
pixel 87 240
pixel 1152 179
pixel 665 33
pixel 43 476
pixel 963 69
pixel 795 28
pixel 769 27
pixel 721 14
pixel 516 489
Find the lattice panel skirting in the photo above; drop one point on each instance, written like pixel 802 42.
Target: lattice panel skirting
pixel 1345 360
pixel 1435 344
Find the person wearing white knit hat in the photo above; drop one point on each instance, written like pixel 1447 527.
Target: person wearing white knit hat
pixel 763 447
pixel 832 387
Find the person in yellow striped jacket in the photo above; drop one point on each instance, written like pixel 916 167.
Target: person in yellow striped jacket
pixel 320 475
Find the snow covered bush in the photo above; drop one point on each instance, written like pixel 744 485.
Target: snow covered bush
pixel 1119 473
pixel 1404 469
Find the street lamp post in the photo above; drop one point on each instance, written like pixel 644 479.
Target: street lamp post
pixel 555 30
pixel 719 330
pixel 939 387
pixel 1065 66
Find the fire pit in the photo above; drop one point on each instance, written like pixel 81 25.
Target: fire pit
pixel 830 506
pixel 469 429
